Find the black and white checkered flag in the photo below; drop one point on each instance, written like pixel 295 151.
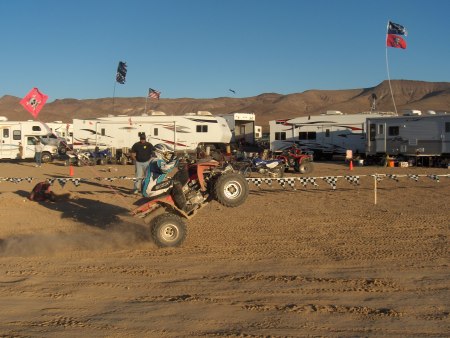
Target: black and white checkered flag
pixel 305 180
pixel 352 179
pixel 392 177
pixel 331 180
pixel 255 181
pixel 434 177
pixel 414 177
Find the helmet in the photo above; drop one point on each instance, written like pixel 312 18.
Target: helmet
pixel 163 152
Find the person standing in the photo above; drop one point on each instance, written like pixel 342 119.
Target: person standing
pixel 38 153
pixel 141 154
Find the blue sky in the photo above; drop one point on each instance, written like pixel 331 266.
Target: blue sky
pixel 201 48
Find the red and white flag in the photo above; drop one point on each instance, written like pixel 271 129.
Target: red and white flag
pixel 395 41
pixel 34 101
pixel 154 94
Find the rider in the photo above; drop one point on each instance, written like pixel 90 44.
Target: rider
pixel 160 166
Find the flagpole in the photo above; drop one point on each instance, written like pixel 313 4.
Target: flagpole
pixel 114 95
pixel 387 68
pixel 145 110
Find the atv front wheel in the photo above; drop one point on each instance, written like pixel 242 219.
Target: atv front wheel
pixel 231 190
pixel 168 230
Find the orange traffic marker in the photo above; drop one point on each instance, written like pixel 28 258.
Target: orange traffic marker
pixel 351 165
pixel 71 170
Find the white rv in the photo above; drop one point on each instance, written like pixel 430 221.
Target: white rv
pixel 18 138
pixel 409 136
pixel 62 130
pixel 326 135
pixel 242 126
pixel 184 132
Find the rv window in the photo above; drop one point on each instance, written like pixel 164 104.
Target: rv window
pixel 393 130
pixel 307 135
pixel 372 129
pixel 102 132
pixel 36 128
pixel 280 136
pixel 327 133
pixel 17 135
pixel 447 127
pixel 202 129
pixel 380 129
pixel 155 131
pixel 5 133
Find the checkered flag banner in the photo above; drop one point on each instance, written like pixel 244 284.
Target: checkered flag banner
pixel 289 181
pixel 434 177
pixel 414 177
pixel 392 177
pixel 305 180
pixel 255 181
pixel 17 179
pixel 352 179
pixel 331 180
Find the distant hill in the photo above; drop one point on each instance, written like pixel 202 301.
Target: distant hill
pixel 269 106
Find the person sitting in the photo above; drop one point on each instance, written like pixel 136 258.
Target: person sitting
pixel 42 192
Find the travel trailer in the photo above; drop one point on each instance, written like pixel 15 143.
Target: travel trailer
pixel 62 130
pixel 242 126
pixel 409 136
pixel 332 133
pixel 185 133
pixel 18 138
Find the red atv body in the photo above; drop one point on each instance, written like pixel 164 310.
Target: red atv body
pixel 191 188
pixel 296 159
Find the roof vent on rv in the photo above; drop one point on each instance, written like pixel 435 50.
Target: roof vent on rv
pixel 333 112
pixel 431 112
pixel 412 112
pixel 3 118
pixel 156 112
pixel 204 113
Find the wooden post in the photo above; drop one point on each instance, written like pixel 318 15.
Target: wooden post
pixel 375 188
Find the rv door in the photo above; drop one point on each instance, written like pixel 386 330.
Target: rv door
pixel 446 138
pixel 380 138
pixel 6 145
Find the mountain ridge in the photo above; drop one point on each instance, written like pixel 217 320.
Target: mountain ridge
pixel 408 94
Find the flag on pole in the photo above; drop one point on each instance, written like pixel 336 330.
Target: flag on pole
pixel 395 41
pixel 121 72
pixel 153 94
pixel 34 101
pixel 395 28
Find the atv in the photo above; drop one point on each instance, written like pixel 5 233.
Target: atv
pixel 293 157
pixel 192 187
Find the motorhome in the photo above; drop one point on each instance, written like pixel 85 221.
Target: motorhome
pixel 18 138
pixel 183 132
pixel 242 126
pixel 332 133
pixel 409 136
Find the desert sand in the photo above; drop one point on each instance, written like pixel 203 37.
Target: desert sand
pixel 312 262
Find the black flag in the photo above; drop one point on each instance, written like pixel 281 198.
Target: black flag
pixel 121 72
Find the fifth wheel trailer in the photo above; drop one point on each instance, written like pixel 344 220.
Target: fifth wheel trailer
pixel 410 137
pixel 185 133
pixel 332 133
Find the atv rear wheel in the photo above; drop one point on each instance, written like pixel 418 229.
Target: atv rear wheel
pixel 304 168
pixel 168 230
pixel 231 190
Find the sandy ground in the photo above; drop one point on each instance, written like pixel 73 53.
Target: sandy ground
pixel 306 262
